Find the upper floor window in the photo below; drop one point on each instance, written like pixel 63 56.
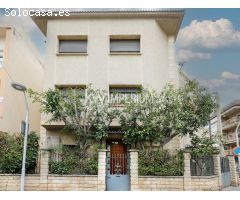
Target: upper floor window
pixel 79 90
pixel 125 44
pixel 119 95
pixel 72 44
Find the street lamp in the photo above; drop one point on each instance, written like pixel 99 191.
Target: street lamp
pixel 23 89
pixel 237 142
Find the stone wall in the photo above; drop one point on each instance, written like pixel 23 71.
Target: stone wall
pixel 54 183
pixel 160 183
pixel 74 183
pixel 205 183
pixel 12 182
pixel 176 183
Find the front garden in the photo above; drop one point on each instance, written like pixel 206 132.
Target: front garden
pixel 151 117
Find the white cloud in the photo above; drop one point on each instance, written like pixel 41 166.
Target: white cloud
pixel 213 83
pixel 186 55
pixel 230 76
pixel 209 34
pixel 227 78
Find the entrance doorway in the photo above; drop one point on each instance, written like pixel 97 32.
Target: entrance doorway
pixel 117 166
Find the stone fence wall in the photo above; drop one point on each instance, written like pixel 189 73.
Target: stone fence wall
pixel 54 183
pixel 176 183
pixel 49 182
pixel 160 183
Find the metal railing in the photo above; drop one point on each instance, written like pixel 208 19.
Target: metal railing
pixel 230 122
pixel 118 164
pixel 203 166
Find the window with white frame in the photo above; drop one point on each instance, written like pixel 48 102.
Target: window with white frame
pixel 118 95
pixel 124 44
pixel 80 90
pixel 72 44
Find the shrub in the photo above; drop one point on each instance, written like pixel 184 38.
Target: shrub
pixel 11 148
pixel 160 163
pixel 68 160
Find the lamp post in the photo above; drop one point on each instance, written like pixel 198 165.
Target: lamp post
pixel 237 143
pixel 23 89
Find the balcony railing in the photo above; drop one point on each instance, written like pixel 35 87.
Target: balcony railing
pixel 231 137
pixel 230 122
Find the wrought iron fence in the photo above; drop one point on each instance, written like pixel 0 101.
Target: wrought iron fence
pixel 203 166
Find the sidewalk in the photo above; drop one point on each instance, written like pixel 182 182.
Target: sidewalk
pixel 232 188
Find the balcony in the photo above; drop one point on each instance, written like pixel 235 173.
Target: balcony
pixel 230 138
pixel 230 123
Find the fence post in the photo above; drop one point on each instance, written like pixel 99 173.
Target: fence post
pixel 44 169
pixel 233 171
pixel 187 172
pixel 102 153
pixel 217 169
pixel 133 169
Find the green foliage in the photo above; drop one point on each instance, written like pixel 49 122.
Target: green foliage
pixel 160 163
pixel 87 114
pixel 139 118
pixel 11 148
pixel 202 146
pixel 159 117
pixel 70 161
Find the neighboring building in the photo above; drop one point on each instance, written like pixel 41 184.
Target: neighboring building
pixel 19 61
pixel 230 119
pixel 113 50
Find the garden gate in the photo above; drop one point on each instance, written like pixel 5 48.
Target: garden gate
pixel 225 172
pixel 117 167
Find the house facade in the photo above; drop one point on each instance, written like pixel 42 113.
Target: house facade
pixel 118 49
pixel 230 119
pixel 19 62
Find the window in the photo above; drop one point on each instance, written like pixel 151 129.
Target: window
pixel 79 89
pixel 72 44
pixel 125 44
pixel 118 95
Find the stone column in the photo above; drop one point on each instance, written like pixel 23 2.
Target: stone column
pixel 102 154
pixel 133 169
pixel 187 172
pixel 233 171
pixel 217 169
pixel 44 169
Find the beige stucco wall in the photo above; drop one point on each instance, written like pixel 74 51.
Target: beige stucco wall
pixel 150 68
pixel 154 67
pixel 21 60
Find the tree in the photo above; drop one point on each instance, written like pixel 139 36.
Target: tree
pixel 203 145
pixel 86 113
pixel 160 117
pixel 140 118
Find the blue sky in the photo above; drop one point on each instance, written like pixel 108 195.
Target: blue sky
pixel 208 43
pixel 219 70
